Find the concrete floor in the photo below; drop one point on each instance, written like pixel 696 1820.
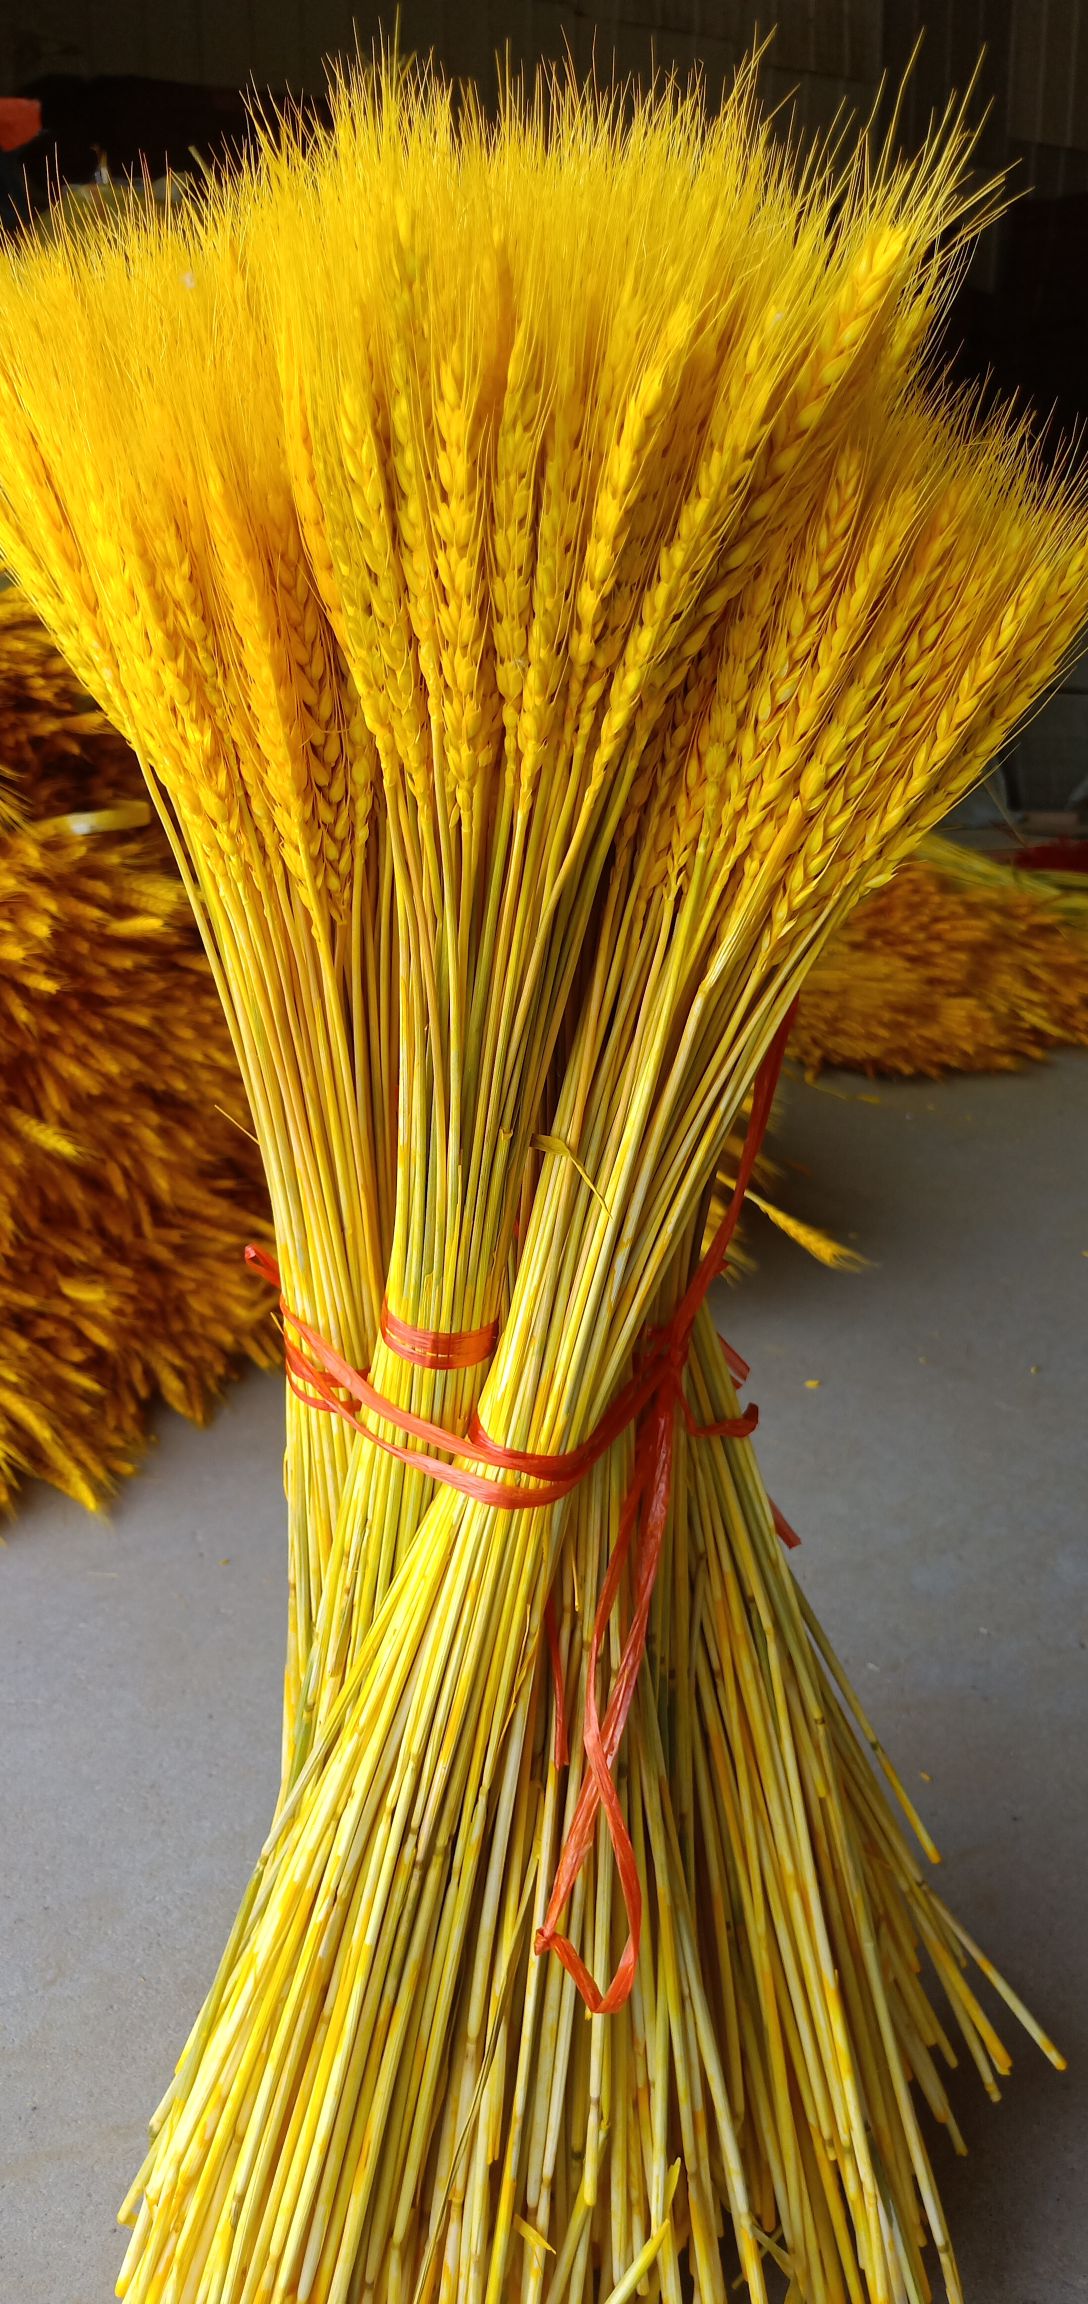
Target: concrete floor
pixel 937 1474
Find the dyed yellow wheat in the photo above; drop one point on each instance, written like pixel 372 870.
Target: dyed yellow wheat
pixel 627 766
pixel 960 964
pixel 128 1177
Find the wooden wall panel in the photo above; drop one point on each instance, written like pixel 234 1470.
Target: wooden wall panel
pixel 118 35
pixel 227 41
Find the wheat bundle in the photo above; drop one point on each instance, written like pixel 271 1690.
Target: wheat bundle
pixel 130 1176
pixel 543 594
pixel 960 964
pixel 128 1183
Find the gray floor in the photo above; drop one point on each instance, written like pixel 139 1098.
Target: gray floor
pixel 937 1472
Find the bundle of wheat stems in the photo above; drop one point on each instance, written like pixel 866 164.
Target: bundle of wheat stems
pixel 543 592
pixel 128 1179
pixel 962 963
pixel 129 1176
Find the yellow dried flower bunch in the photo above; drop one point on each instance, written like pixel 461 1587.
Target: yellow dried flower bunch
pixel 961 963
pixel 543 593
pixel 128 1184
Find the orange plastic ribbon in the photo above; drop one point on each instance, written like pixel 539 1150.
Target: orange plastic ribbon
pixel 324 1380
pixel 648 1499
pixel 320 1376
pixel 789 1536
pixel 438 1347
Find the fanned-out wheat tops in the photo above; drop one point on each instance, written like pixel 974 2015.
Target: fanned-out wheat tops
pixel 543 588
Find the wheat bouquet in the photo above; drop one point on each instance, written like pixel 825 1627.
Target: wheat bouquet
pixel 543 592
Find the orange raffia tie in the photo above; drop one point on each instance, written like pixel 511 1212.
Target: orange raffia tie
pixel 646 1502
pixel 321 1377
pixel 437 1347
